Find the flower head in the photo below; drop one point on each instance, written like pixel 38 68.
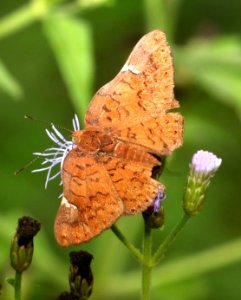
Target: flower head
pixel 157 201
pixel 202 168
pixel 204 161
pixel 55 156
pixel 21 252
pixel 80 274
pixel 68 296
pixel 154 215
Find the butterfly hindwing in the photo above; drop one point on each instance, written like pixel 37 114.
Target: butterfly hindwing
pixel 90 203
pixel 132 182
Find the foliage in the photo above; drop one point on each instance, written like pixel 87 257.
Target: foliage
pixel 48 52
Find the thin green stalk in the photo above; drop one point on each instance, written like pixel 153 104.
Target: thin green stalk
pixel 176 271
pixel 32 12
pixel 159 254
pixel 22 17
pixel 128 244
pixel 146 268
pixel 162 14
pixel 173 11
pixel 155 14
pixel 17 285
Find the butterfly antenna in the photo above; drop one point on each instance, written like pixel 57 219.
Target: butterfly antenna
pixel 28 117
pixel 26 166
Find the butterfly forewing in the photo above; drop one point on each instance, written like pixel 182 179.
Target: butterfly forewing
pixel 141 94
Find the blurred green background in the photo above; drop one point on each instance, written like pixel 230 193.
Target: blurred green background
pixel 53 55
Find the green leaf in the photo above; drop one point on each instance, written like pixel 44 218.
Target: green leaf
pixel 71 41
pixel 215 65
pixel 8 84
pixel 11 281
pixel 94 3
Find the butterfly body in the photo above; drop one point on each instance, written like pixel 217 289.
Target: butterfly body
pixel 129 128
pixel 94 140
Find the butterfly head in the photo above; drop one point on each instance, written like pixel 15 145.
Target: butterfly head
pixel 87 140
pixel 76 137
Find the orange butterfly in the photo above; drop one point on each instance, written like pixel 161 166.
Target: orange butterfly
pixel 128 129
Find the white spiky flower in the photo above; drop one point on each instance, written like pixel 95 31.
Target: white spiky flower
pixel 55 156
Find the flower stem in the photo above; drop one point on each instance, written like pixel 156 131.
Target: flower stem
pixel 146 268
pixel 159 254
pixel 17 285
pixel 22 17
pixel 128 244
pixel 155 14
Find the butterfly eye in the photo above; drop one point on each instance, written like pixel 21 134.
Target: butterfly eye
pixel 74 140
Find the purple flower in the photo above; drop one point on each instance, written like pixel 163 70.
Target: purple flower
pixel 204 161
pixel 154 215
pixel 157 201
pixel 202 169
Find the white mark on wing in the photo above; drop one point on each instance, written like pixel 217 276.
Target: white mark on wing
pixel 131 68
pixel 66 203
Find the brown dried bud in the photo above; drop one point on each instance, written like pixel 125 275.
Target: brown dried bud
pixel 21 252
pixel 80 274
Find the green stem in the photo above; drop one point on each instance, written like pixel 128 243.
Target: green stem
pixel 155 14
pixel 22 17
pixel 17 285
pixel 162 14
pixel 173 10
pixel 146 268
pixel 128 244
pixel 159 254
pixel 184 268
